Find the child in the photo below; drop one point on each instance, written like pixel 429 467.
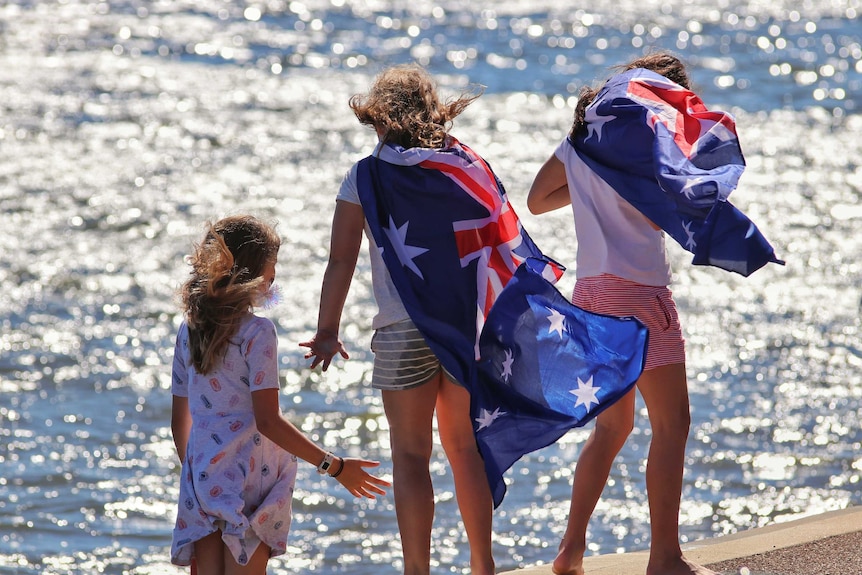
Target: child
pixel 238 454
pixel 411 124
pixel 623 270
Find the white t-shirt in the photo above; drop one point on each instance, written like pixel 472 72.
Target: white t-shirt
pixel 389 307
pixel 613 236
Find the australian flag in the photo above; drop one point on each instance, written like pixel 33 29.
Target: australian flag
pixel 482 295
pixel 661 149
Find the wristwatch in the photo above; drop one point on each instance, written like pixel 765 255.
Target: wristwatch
pixel 326 463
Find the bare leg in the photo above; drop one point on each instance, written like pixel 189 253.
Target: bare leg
pixel 665 393
pixel 471 484
pixel 410 414
pixel 256 564
pixel 612 428
pixel 209 554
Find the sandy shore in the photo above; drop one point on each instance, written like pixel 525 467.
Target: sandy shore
pixel 826 544
pixel 836 555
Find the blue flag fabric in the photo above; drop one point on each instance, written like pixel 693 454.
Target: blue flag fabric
pixel 547 366
pixel 481 293
pixel 661 149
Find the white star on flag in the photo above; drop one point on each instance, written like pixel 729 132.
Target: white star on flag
pixel 507 365
pixel 688 189
pixel 690 244
pixel 595 123
pixel 556 319
pixel 585 393
pixel 398 237
pixel 487 418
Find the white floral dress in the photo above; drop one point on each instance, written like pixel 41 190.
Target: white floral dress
pixel 233 479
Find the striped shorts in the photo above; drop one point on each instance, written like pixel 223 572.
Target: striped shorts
pixel 402 359
pixel 652 305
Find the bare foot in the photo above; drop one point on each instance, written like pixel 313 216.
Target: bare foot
pixel 568 561
pixel 681 566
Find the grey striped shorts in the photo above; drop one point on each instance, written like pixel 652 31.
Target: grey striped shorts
pixel 402 359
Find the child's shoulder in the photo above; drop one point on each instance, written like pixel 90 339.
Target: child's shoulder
pixel 254 324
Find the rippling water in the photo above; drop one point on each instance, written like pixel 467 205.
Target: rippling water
pixel 125 125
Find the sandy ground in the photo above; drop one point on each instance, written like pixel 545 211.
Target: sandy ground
pixel 825 544
pixel 836 555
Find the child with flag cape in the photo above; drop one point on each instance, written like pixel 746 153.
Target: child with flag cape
pixel 644 158
pixel 446 248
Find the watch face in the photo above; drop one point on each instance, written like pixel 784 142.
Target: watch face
pixel 325 464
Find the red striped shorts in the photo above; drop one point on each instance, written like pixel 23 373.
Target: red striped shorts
pixel 652 305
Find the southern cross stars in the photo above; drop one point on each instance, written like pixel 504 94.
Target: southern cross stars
pixel 398 238
pixel 585 393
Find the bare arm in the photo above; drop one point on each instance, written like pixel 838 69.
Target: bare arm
pixel 550 189
pixel 346 239
pixel 181 424
pixel 349 471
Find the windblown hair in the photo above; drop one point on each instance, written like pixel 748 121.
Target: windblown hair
pixel 226 281
pixel 663 63
pixel 403 106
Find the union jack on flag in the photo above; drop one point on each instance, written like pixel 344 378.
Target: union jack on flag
pixel 661 149
pixel 497 241
pixel 482 295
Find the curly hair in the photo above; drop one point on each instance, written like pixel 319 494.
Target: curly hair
pixel 404 108
pixel 226 280
pixel 663 63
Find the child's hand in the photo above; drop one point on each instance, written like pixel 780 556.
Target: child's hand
pixel 323 347
pixel 358 481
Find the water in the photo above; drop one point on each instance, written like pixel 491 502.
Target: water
pixel 125 125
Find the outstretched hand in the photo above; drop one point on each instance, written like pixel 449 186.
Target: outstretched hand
pixel 322 348
pixel 358 481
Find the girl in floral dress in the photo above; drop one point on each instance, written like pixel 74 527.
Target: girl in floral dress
pixel 239 454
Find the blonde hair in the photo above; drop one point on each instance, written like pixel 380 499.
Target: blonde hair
pixel 226 279
pixel 404 107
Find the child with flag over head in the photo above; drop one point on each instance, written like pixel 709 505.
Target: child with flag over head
pixel 640 140
pixel 411 123
pixel 238 453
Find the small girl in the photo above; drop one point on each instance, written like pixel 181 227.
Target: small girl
pixel 238 454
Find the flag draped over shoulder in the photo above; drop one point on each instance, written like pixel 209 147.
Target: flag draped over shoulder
pixel 482 295
pixel 661 149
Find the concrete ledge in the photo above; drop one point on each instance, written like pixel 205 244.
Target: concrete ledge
pixel 724 548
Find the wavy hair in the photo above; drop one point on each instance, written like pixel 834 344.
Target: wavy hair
pixel 405 109
pixel 663 63
pixel 226 281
